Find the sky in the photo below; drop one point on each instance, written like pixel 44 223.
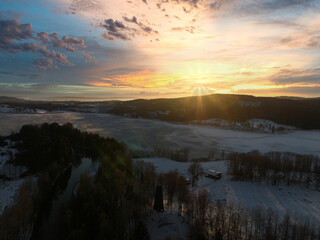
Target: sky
pixel 126 49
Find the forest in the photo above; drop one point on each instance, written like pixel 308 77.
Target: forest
pixel 48 151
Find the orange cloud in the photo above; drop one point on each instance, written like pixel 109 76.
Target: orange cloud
pixel 141 79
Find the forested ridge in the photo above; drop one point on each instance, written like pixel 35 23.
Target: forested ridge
pixel 302 113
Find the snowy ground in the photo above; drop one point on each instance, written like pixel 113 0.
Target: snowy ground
pixel 146 134
pixel 6 168
pixel 8 190
pixel 298 201
pixel 166 224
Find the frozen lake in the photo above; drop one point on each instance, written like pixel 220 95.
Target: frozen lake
pixel 145 134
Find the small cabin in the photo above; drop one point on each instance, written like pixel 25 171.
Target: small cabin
pixel 187 181
pixel 213 174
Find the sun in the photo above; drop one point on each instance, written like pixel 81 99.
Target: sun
pixel 201 90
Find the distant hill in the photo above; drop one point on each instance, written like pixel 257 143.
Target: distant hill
pixel 302 113
pixel 4 99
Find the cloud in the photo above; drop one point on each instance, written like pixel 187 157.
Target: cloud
pixel 43 63
pixel 111 36
pixel 113 26
pixel 187 5
pixel 43 86
pixel 301 40
pixel 16 37
pixel 276 4
pixel 249 8
pixel 294 76
pixel 22 75
pixel 145 28
pixel 314 42
pixel 9 14
pixel 84 5
pixel 189 29
pixel 88 57
pixel 118 30
pixel 192 3
pixel 69 43
pixel 308 91
pixel 132 20
pixel 135 78
pixel 221 4
pixel 14 30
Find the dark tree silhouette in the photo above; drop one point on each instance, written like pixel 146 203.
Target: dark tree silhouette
pixel 158 200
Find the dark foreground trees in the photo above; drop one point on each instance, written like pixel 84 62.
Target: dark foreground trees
pixel 221 221
pixel 15 221
pixel 105 205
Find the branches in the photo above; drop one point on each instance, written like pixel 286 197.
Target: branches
pixel 195 169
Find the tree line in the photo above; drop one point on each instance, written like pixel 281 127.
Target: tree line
pixel 275 167
pixel 180 155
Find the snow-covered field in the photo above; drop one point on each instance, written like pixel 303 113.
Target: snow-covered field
pixel 298 201
pixel 146 134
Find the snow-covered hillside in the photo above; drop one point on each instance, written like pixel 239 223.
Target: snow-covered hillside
pixel 259 125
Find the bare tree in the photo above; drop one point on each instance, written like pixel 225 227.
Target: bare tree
pixel 195 169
